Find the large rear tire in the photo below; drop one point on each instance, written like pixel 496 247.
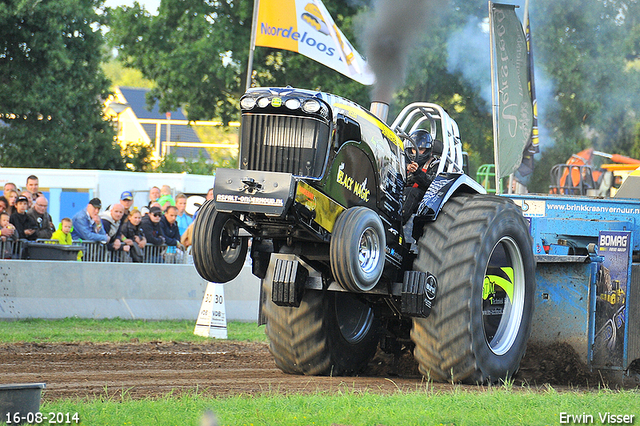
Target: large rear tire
pixel 331 333
pixel 480 250
pixel 218 252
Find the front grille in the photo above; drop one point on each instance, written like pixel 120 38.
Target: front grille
pixel 283 143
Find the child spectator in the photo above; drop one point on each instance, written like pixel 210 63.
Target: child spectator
pixel 134 236
pixel 5 231
pixel 25 224
pixel 63 234
pixel 29 196
pixel 126 199
pixel 166 199
pixel 8 235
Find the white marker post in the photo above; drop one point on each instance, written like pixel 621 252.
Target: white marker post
pixel 212 319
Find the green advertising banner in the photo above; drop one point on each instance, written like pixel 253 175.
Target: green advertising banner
pixel 514 119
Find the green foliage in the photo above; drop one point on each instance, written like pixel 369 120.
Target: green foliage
pixel 197 54
pixel 52 86
pixel 138 157
pixel 119 75
pixel 588 50
pixel 170 164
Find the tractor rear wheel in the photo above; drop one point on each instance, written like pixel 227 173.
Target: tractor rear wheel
pixel 331 333
pixel 218 252
pixel 480 250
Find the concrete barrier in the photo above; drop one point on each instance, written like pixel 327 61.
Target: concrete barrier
pixel 51 289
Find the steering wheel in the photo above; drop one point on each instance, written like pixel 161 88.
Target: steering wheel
pixel 410 149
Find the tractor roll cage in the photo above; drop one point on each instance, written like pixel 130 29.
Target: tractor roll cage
pixel 435 119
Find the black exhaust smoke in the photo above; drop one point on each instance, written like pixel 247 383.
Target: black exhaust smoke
pixel 389 37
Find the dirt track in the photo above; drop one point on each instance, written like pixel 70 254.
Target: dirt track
pixel 221 368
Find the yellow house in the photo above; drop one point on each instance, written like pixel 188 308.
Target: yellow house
pixel 169 133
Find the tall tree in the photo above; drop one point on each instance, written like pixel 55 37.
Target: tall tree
pixel 587 49
pixel 52 86
pixel 196 52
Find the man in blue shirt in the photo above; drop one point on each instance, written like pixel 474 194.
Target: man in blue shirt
pixel 87 225
pixel 183 218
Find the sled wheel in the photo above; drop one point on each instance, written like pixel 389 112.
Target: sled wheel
pixel 218 252
pixel 481 252
pixel 357 249
pixel 331 333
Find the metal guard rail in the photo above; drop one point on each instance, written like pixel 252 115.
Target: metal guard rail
pixel 98 252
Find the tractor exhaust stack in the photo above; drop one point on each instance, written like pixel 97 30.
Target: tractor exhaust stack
pixel 380 109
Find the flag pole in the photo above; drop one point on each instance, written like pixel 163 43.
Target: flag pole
pixel 494 101
pixel 252 47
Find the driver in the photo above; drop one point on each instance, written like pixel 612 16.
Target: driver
pixel 419 174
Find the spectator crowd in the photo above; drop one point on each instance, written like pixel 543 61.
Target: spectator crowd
pixel 122 228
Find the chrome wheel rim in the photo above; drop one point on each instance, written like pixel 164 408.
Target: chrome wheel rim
pixel 369 251
pixel 503 296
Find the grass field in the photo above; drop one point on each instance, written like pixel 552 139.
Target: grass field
pixel 115 331
pixel 497 405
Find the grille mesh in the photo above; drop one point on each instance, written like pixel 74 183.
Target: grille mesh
pixel 283 143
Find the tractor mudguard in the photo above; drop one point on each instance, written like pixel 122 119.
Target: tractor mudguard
pixel 270 193
pixel 441 189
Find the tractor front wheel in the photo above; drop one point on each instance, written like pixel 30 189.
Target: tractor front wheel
pixel 357 249
pixel 218 251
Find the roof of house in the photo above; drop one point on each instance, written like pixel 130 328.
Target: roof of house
pixel 136 98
